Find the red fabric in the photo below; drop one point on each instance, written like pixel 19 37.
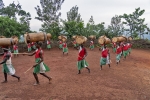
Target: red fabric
pixel 74 42
pixel 48 42
pixel 15 47
pixel 81 54
pixel 64 45
pixel 29 45
pixel 119 50
pixel 60 42
pixel 91 43
pixel 32 44
pixel 125 47
pixel 37 53
pixel 114 44
pixel 105 53
pixel 129 46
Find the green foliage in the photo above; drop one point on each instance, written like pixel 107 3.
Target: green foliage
pixel 135 23
pixel 116 26
pixel 48 13
pixel 10 27
pixel 11 10
pixel 73 28
pixel 15 9
pixel 73 15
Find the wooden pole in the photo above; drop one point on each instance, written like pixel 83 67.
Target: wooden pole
pixel 28 70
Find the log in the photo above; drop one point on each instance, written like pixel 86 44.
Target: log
pixel 80 39
pixel 49 36
pixel 7 41
pixel 2 37
pixel 104 40
pixel 92 37
pixel 35 37
pixel 119 39
pixel 130 38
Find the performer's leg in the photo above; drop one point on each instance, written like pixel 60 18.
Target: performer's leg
pixel 79 72
pixel 46 76
pixel 5 76
pixel 100 67
pixel 109 65
pixel 16 77
pixel 36 78
pixel 88 69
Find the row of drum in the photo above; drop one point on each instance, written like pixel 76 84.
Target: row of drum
pixel 34 37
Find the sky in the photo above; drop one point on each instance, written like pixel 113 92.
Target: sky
pixel 101 10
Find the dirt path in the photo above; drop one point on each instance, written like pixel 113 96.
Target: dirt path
pixel 130 80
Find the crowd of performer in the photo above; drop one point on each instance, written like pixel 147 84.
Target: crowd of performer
pixel 120 48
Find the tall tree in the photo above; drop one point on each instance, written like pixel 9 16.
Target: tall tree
pixel 11 11
pixel 91 21
pixel 116 26
pixel 73 15
pixel 135 23
pixel 48 13
pixel 25 20
pixel 90 26
pixel 1 4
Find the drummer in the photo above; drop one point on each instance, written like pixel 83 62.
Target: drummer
pixel 105 57
pixel 7 65
pixel 60 44
pixel 29 47
pixel 91 44
pixel 15 49
pixel 65 48
pixel 48 44
pixel 75 44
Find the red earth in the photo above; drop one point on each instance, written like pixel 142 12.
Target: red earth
pixel 130 80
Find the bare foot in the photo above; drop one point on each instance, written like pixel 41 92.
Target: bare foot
pixel 50 78
pixel 18 79
pixel 36 84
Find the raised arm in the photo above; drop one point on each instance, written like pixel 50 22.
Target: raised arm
pixel 32 54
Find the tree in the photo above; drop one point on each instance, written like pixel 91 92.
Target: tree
pixel 90 27
pixel 13 10
pixel 73 15
pixel 135 23
pixel 48 13
pixel 116 26
pixel 25 20
pixel 1 4
pixel 10 27
pixel 74 24
pixel 73 28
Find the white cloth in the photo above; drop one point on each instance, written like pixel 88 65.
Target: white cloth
pixel 11 69
pixel 80 48
pixel 8 61
pixel 107 60
pixel 42 68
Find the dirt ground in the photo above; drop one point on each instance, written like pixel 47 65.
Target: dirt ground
pixel 130 80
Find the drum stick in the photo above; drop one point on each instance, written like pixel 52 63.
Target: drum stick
pixel 28 70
